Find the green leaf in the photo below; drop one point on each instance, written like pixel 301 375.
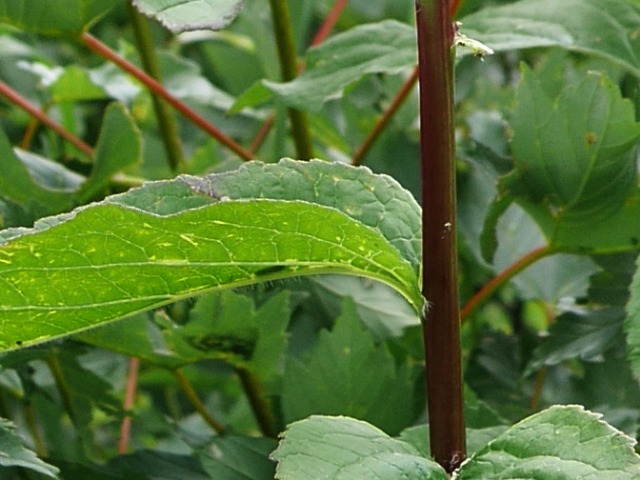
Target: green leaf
pixel 576 152
pixel 359 379
pixel 74 85
pixel 579 334
pixel 385 313
pixel 119 146
pixel 342 448
pixel 632 323
pixel 184 15
pixel 153 245
pixel 390 47
pixel 39 184
pixel 14 454
pixel 69 18
pixel 385 47
pixel 377 201
pixel 239 458
pixel 562 442
pixel 157 465
pixel 575 164
pixel 597 27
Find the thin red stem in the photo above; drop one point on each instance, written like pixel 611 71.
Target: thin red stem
pixel 23 103
pixel 508 273
pixel 329 22
pixel 383 121
pixel 129 400
pixel 103 50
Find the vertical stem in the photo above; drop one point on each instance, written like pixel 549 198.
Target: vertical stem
pixel 289 71
pixel 441 322
pixel 129 400
pixel 166 121
pixel 259 402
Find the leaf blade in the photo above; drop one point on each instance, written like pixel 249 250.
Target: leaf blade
pixel 80 273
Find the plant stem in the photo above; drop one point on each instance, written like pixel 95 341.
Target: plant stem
pixel 289 71
pixel 23 103
pixel 396 103
pixel 507 274
pixel 441 321
pixel 101 49
pixel 193 398
pixel 259 403
pixel 166 121
pixel 129 399
pixel 332 18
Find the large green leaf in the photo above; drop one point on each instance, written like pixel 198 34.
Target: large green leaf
pixel 342 448
pixel 68 18
pixel 163 242
pixel 563 443
pixel 377 201
pixel 184 15
pixel 575 152
pixel 575 169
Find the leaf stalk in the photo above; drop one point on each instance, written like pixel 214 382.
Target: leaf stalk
pixel 103 50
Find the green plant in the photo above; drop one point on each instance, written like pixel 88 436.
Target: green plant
pixel 327 351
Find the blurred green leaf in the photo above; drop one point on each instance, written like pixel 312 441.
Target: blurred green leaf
pixel 74 85
pixel 632 323
pixel 69 18
pixel 358 378
pixel 579 334
pixel 14 454
pixel 157 465
pixel 343 448
pixel 596 27
pixel 20 181
pixel 380 308
pixel 239 458
pixel 119 146
pixel 560 442
pixel 184 15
